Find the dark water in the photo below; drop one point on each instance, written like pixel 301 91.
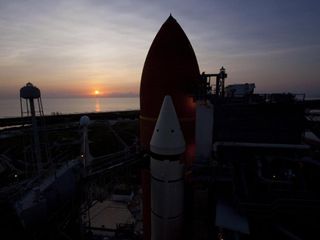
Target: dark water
pixel 11 107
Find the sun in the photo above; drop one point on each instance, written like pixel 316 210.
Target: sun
pixel 96 92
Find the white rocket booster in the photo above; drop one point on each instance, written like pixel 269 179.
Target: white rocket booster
pixel 167 191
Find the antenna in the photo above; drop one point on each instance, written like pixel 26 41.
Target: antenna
pixel 85 151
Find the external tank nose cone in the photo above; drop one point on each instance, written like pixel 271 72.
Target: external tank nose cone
pixel 167 138
pixel 170 68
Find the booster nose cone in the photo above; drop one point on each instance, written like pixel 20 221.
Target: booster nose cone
pixel 167 138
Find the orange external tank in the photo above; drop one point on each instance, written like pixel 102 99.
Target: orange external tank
pixel 171 68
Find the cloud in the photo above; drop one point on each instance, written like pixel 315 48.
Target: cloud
pixel 63 44
pixel 123 94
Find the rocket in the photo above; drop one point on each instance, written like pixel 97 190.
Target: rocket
pixel 170 68
pixel 167 186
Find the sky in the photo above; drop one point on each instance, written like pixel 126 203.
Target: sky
pixel 73 48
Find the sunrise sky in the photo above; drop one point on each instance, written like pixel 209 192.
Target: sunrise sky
pixel 78 47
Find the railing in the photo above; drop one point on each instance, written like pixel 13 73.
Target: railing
pixel 105 163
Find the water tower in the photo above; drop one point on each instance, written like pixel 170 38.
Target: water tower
pixel 31 106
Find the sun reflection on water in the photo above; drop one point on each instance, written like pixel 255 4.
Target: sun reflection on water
pixel 97 105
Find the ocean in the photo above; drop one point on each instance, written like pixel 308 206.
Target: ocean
pixel 11 107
